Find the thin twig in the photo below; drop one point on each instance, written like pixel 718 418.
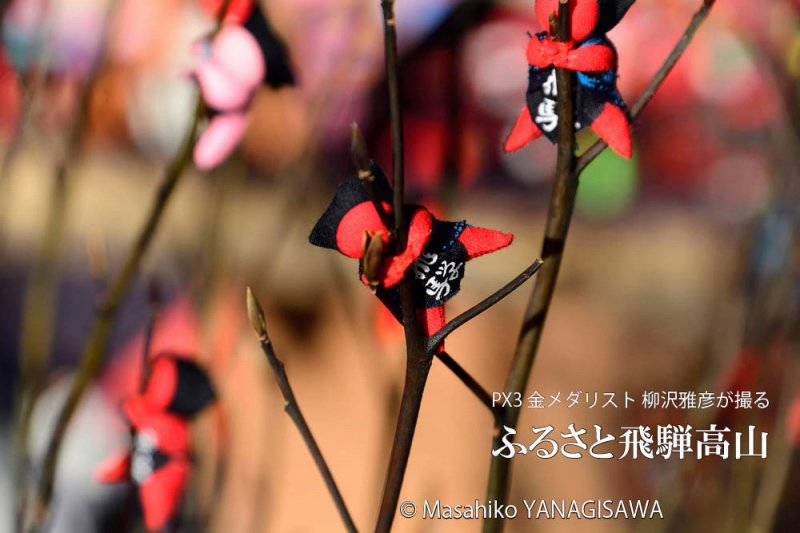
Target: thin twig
pixel 466 378
pixel 418 364
pixel 107 310
pixel 396 119
pixel 437 338
pixel 366 174
pixel 154 304
pixel 258 323
pixel 418 360
pixel 561 205
pixel 559 216
pixel 655 83
pixel 41 291
pixel 470 382
pixel 358 152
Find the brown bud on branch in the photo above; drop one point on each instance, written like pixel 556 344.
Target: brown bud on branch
pixel 256 316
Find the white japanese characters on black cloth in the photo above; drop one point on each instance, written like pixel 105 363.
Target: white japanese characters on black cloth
pixel 592 92
pixel 433 254
pixel 440 268
pixel 145 456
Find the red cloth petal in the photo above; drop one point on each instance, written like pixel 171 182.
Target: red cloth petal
pixel 479 241
pixel 543 53
pixel 161 493
pixel 350 232
pixel 177 331
pixel 432 320
pixel 419 231
pixel 612 126
pixel 523 132
pixel 163 382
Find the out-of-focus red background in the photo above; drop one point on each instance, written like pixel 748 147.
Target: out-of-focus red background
pixel 681 270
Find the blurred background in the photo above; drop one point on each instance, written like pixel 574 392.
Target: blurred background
pixel 682 270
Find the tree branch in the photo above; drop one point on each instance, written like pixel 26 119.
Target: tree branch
pixel 358 151
pixel 396 119
pixel 418 360
pixel 470 382
pixel 561 205
pixel 258 323
pixel 41 290
pixel 465 377
pixel 154 308
pixel 562 202
pixel 107 311
pixel 437 338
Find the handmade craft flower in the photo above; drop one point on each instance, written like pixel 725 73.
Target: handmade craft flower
pixel 436 250
pixel 245 54
pixel 158 461
pixel 598 104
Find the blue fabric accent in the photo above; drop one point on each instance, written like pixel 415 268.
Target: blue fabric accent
pixel 594 40
pixel 604 83
pixel 455 233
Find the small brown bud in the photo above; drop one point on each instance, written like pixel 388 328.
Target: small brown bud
pixel 256 315
pixel 372 257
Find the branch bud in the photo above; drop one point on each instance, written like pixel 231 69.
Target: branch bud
pixel 372 257
pixel 256 316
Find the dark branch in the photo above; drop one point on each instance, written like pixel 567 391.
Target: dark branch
pixel 470 382
pixel 106 314
pixel 258 322
pixel 437 338
pixel 396 119
pixel 562 203
pixel 154 305
pixel 418 360
pixel 358 152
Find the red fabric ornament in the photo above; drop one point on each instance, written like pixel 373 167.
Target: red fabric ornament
pixel 436 250
pixel 592 56
pixel 158 462
pixel 178 385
